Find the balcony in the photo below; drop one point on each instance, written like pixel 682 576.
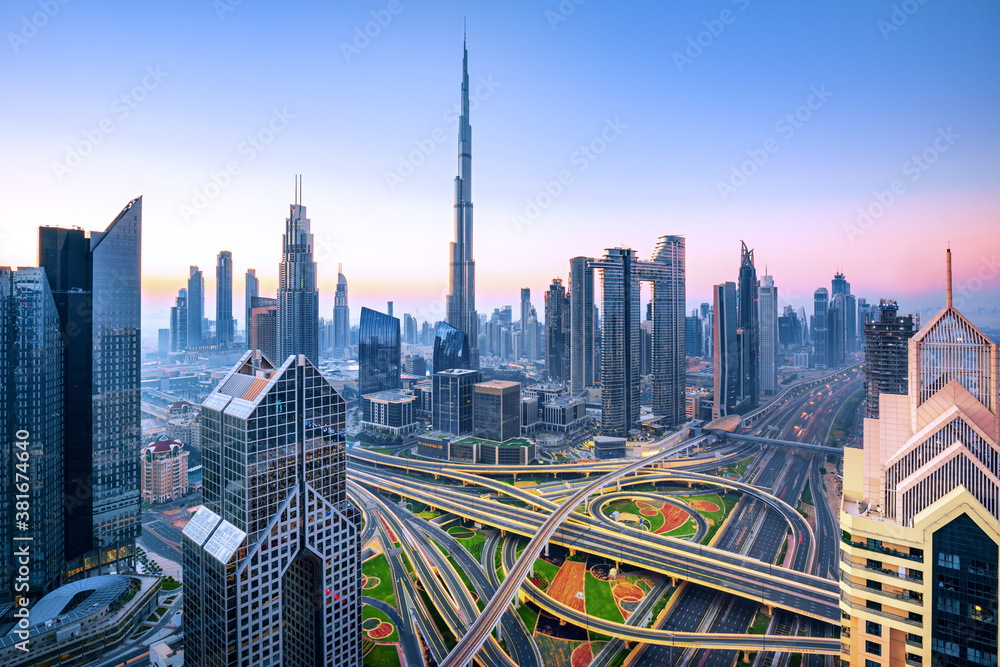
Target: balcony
pixel 909 597
pixel 913 643
pixel 845 559
pixel 878 612
pixel 881 550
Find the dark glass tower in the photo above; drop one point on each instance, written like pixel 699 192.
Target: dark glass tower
pixel 272 568
pixel 252 289
pixel 453 400
pixel 666 270
pixel 727 351
pixel 32 428
pixel 619 341
pixel 886 342
pixel 196 307
pixel 65 256
pixel 224 300
pixel 101 451
pixel 964 627
pixel 341 312
pixel 451 348
pixel 379 352
pixel 298 296
pixel 581 289
pixel 525 312
pixel 178 322
pixel 821 305
pixel 117 357
pixel 748 317
pixel 558 335
pixel 461 302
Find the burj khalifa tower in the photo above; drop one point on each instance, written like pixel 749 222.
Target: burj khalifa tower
pixel 461 307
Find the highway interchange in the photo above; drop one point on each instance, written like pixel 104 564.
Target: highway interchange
pixel 721 587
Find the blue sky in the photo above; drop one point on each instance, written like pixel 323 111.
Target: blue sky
pixel 694 92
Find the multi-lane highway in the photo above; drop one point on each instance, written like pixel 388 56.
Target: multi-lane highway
pixel 723 584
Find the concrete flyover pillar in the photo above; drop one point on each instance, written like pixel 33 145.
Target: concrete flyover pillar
pixel 546 549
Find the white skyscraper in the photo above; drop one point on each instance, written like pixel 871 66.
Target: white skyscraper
pixel 768 303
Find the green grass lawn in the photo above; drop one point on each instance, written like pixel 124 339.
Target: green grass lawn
pixel 460 532
pixel 379 567
pixel 686 529
pixel 529 616
pixel 807 496
pixel 600 600
pixel 381 655
pixel 368 611
pixel 628 506
pixel 473 544
pixel 427 514
pixel 170 584
pixel 545 569
pixel 760 623
pixel 740 467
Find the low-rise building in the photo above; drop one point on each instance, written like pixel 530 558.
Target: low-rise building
pixel 497 410
pixel 608 447
pixel 564 413
pixel 164 471
pixel 439 445
pixel 78 623
pixel 518 451
pixel 529 413
pixel 392 411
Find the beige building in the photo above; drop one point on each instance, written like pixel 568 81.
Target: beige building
pixel 164 471
pixel 919 520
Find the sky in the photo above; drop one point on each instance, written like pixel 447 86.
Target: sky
pixel 850 135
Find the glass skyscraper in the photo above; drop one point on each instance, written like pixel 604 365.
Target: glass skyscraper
pixel 886 340
pixel 117 421
pixel 748 316
pixel 298 296
pixel 178 322
pixel 102 360
pixel 557 328
pixel 726 356
pixel 196 307
pixel 453 400
pixel 581 355
pixel 341 312
pixel 379 352
pixel 32 423
pixel 461 300
pixel 224 300
pixel 451 348
pixel 768 307
pixel 666 271
pixel 251 289
pixel 619 341
pixel 272 569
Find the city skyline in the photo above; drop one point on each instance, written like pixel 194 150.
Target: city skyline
pixel 851 156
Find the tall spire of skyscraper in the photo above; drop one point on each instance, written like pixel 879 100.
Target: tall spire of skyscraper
pixel 461 305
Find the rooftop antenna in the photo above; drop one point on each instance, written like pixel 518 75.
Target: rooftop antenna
pixel 947 296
